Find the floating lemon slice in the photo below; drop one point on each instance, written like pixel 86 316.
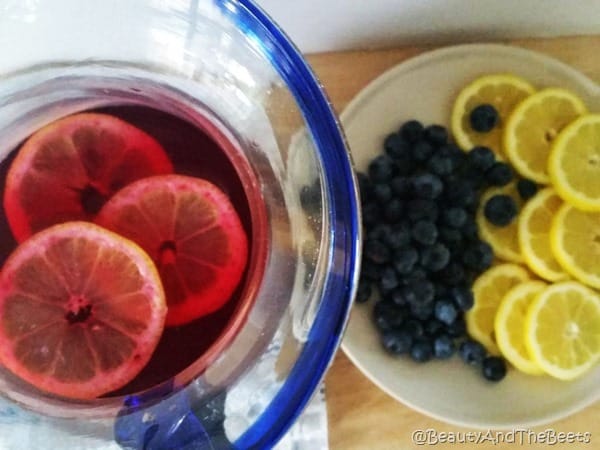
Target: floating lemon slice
pixel 534 224
pixel 509 325
pixel 504 240
pixel 533 126
pixel 562 330
pixel 503 92
pixel 488 290
pixel 82 310
pixel 575 243
pixel 574 163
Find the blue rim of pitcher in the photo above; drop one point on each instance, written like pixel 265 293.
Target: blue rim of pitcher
pixel 325 335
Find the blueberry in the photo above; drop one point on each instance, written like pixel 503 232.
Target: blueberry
pixel 422 311
pixel 396 146
pixel 404 260
pixel 369 270
pixel 454 217
pixel 456 155
pixel 453 150
pixel 440 164
pixel 433 327
pixel 412 130
pixel 445 311
pixel 500 174
pixel 424 290
pixel 436 135
pixel 422 209
pixel 397 297
pixel 363 292
pixel 397 342
pixel 460 194
pixel 493 368
pixel 388 316
pixel 435 257
pixel 400 186
pixel 404 166
pixel 389 279
pixel 424 232
pixel 474 177
pixel 381 169
pixel 427 186
pixel 371 214
pixel 392 213
pixel 449 235
pixel 458 328
pixel 526 188
pixel 421 350
pixel 443 347
pixel 377 252
pixel 379 232
pixel 452 274
pixel 500 210
pixel 422 151
pixel 414 327
pixel 470 230
pixel 481 158
pixel 365 187
pixel 478 256
pixel 463 297
pixel 399 236
pixel 483 118
pixel 472 352
pixel 382 193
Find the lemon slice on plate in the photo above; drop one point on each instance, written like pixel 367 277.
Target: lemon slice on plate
pixel 488 290
pixel 575 243
pixel 503 240
pixel 562 330
pixel 533 126
pixel 534 224
pixel 574 163
pixel 509 325
pixel 503 92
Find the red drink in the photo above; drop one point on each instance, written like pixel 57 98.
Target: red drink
pixel 206 154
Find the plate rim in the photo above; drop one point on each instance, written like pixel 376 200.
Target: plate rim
pixel 353 106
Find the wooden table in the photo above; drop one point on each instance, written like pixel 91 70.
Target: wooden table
pixel 360 415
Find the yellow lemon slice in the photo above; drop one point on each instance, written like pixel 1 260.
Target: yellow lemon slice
pixel 488 290
pixel 575 243
pixel 562 330
pixel 534 224
pixel 574 163
pixel 533 126
pixel 503 92
pixel 509 325
pixel 503 240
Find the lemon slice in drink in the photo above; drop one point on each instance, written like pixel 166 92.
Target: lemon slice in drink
pixel 562 330
pixel 488 290
pixel 574 163
pixel 534 125
pixel 82 310
pixel 503 92
pixel 503 240
pixel 575 242
pixel 534 224
pixel 509 325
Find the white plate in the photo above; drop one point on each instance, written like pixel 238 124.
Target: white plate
pixel 424 88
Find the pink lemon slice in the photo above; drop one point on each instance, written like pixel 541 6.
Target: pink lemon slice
pixel 193 234
pixel 81 310
pixel 68 169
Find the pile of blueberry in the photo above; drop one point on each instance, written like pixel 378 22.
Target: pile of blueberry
pixel 422 250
